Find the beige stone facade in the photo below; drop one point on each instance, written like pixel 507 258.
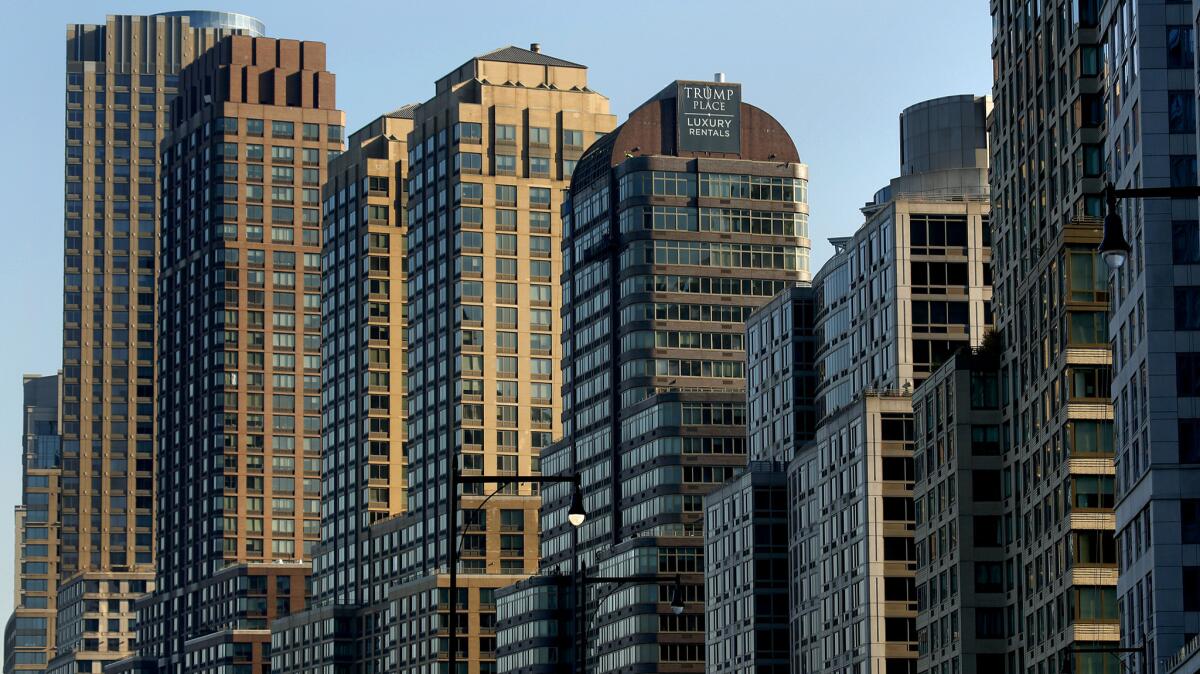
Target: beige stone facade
pixel 490 157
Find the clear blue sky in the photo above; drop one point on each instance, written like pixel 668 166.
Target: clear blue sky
pixel 835 74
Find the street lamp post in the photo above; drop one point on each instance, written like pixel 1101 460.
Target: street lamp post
pixel 1114 247
pixel 575 515
pixel 583 625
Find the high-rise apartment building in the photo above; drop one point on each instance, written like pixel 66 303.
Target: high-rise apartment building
pixel 349 625
pixel 489 158
pixel 781 375
pixel 959 517
pixel 1150 93
pixel 28 634
pixel 912 284
pixel 677 228
pixel 121 76
pixel 747 586
pixel 910 287
pixel 1052 300
pixel 239 376
pixel 850 496
pixel 746 582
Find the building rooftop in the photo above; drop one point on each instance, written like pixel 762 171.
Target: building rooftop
pixel 204 18
pixel 405 111
pixel 514 54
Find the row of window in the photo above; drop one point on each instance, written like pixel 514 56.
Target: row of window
pixel 715 185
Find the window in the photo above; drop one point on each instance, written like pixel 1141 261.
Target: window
pixel 1181 112
pixel 539 294
pixel 938 231
pixel 506 293
pixel 1189 520
pixel 1093 547
pixel 1096 603
pixel 1093 160
pixel 1089 437
pixel 1179 47
pixel 506 267
pixel 506 220
pixel 470 240
pixel 539 166
pixel 506 244
pixel 1191 588
pixel 898 549
pixel 506 164
pixel 1088 279
pixel 1187 308
pixel 940 313
pixel 512 520
pixel 985 484
pixel 1093 492
pixel 540 222
pixel 1187 374
pixel 282 214
pixel 1189 441
pixel 283 153
pixel 468 132
pixel 471 193
pixel 540 344
pixel 572 138
pixel 506 195
pixel 468 216
pixel 507 391
pixel 539 197
pixel 989 577
pixel 989 623
pixel 1088 328
pixel 468 162
pixel 506 342
pixel 988 533
pixel 283 129
pixel 1185 242
pixel 506 133
pixel 540 319
pixel 254 127
pixel 539 135
pixel 1183 170
pixel 1089 381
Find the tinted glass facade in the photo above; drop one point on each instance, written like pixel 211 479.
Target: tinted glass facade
pixel 28 635
pixel 1154 323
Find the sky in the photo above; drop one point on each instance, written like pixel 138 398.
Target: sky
pixel 835 74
